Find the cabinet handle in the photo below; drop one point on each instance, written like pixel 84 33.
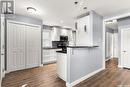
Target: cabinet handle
pixel 76 25
pixel 124 51
pixel 72 52
pixel 85 28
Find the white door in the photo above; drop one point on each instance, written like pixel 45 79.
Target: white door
pixel 33 46
pixel 15 46
pixel 62 66
pixel 125 47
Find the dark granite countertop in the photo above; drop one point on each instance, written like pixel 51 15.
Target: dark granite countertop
pixel 61 52
pixel 50 48
pixel 82 46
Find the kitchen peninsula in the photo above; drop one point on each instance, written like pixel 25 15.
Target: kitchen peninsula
pixel 81 61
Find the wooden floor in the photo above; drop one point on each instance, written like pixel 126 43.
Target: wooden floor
pixel 46 77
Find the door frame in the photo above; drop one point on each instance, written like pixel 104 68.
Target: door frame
pixel 112 17
pixel 2 52
pixel 122 59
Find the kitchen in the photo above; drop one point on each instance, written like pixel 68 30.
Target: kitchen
pixel 66 44
pixel 55 38
pixel 37 46
pixel 58 44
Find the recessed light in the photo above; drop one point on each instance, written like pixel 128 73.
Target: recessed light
pixel 31 9
pixel 85 8
pixel 61 21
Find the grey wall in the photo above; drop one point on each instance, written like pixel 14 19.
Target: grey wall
pixel 83 61
pixel 0 51
pixel 122 24
pixel 109 45
pixel 109 30
pixel 22 18
pixel 47 27
pixel 109 42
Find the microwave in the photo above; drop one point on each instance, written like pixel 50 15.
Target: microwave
pixel 63 38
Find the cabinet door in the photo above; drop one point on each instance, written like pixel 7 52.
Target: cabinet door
pixel 15 46
pixel 62 66
pixel 55 34
pixel 33 46
pixel 46 38
pixel 83 33
pixel 46 56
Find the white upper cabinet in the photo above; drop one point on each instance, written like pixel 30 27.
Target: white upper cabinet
pixel 87 29
pixel 55 34
pixel 46 38
pixel 83 34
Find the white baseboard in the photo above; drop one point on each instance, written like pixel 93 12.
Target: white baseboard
pixel 120 66
pixel 50 62
pixel 83 78
pixel 109 58
pixel 3 74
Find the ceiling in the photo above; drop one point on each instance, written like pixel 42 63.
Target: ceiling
pixel 63 12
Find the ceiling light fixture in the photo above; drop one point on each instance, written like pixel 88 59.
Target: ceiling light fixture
pixel 31 9
pixel 85 8
pixel 61 21
pixel 76 2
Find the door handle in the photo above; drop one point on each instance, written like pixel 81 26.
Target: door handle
pixel 124 51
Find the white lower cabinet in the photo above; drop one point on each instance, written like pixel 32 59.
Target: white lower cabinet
pixel 49 56
pixel 23 46
pixel 62 65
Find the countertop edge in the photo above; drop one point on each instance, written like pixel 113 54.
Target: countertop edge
pixel 82 46
pixel 61 52
pixel 50 48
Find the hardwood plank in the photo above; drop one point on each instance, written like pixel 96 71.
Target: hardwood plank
pixel 46 77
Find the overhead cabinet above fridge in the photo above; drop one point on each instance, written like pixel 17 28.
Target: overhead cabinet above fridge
pixel 87 28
